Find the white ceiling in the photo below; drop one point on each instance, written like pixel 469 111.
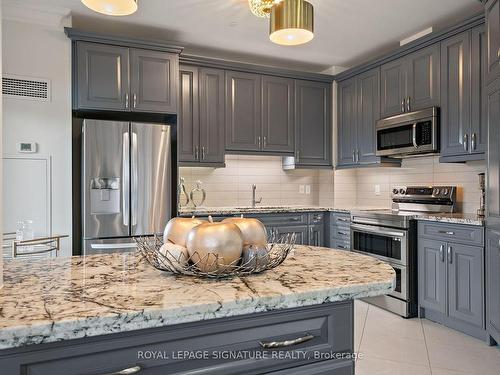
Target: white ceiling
pixel 346 31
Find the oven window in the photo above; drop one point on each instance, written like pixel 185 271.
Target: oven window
pixel 377 245
pixel 399 137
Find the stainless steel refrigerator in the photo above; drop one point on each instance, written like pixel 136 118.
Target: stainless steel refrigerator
pixel 127 183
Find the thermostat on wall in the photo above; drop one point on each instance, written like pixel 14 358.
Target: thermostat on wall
pixel 26 147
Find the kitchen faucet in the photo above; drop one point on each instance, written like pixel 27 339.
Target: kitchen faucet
pixel 255 201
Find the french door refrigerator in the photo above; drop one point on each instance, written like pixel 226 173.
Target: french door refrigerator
pixel 127 183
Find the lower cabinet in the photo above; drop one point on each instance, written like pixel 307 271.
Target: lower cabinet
pixel 451 284
pixel 300 231
pixel 493 284
pixel 323 368
pixel 339 231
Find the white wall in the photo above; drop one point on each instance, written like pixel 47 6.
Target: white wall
pixel 41 51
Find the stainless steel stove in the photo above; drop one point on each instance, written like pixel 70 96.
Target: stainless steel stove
pixel 391 235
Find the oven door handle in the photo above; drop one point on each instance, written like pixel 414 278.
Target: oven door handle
pixel 377 230
pixel 415 135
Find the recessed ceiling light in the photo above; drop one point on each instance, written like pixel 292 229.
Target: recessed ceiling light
pixel 112 7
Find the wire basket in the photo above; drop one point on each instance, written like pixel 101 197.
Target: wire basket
pixel 278 248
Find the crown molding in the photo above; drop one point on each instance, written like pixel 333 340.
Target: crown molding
pixel 49 16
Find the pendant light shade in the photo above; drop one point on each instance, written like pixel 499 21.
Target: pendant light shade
pixel 292 22
pixel 112 7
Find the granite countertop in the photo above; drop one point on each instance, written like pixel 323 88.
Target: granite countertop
pixel 203 211
pixel 69 298
pixel 455 218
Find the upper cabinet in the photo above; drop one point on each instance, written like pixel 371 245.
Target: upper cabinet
pixel 115 78
pixel 313 124
pixel 201 117
pixel 493 39
pixel 463 109
pixel 411 83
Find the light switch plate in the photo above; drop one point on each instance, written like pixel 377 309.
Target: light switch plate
pixel 308 189
pixel 301 189
pixel 377 189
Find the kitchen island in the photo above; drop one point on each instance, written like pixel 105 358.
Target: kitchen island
pixel 102 314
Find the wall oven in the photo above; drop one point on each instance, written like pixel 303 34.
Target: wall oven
pixel 409 134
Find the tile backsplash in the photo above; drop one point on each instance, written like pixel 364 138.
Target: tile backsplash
pixel 232 186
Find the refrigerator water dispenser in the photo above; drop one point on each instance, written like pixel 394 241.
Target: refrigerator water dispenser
pixel 105 196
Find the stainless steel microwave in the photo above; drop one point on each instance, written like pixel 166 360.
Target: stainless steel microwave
pixel 408 134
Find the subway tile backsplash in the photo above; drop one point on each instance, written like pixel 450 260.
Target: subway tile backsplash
pixel 232 186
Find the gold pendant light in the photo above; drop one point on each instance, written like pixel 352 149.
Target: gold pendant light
pixel 112 7
pixel 262 8
pixel 292 23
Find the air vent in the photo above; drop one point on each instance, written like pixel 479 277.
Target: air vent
pixel 26 88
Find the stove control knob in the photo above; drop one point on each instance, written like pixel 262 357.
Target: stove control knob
pixel 395 191
pixel 436 191
pixel 445 192
pixel 402 191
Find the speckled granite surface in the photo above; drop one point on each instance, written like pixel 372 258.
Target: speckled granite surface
pixel 457 218
pixel 203 211
pixel 68 298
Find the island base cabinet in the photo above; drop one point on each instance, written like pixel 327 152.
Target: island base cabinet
pixel 201 346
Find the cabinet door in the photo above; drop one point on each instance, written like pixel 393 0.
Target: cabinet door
pixel 455 106
pixel 102 77
pixel 277 114
pixel 300 231
pixel 313 123
pixel 188 119
pixel 423 79
pixel 154 81
pixel 432 274
pixel 393 88
pixel 212 125
pixel 493 180
pixel 493 284
pixel 346 123
pixel 368 113
pixel 317 235
pixel 465 283
pixel 243 111
pixel 479 107
pixel 492 8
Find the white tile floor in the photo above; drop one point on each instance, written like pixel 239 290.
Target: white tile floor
pixel 391 345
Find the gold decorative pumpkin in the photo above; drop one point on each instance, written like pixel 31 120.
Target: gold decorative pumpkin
pixel 254 232
pixel 209 240
pixel 176 254
pixel 177 229
pixel 254 255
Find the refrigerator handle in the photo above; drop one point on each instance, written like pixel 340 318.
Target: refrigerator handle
pixel 126 178
pixel 135 180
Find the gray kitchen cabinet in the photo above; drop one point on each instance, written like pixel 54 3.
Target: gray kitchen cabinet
pixel 463 109
pixel 493 160
pixel 451 277
pixel 102 77
pixel 313 126
pixel 201 116
pixel 243 111
pixel 339 230
pixel 153 81
pixel 466 283
pixel 317 235
pixel 492 9
pixel 411 83
pixel 432 274
pixel 347 123
pixel 278 119
pixel 493 284
pixel 300 231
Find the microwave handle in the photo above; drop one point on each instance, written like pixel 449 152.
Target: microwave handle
pixel 415 136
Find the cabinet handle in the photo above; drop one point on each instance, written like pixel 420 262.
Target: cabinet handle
pixel 343 220
pixel 126 100
pixel 354 156
pixel 357 156
pixel 259 142
pixel 343 233
pixel 295 219
pixel 203 152
pixel 197 152
pixel 408 104
pixel 473 143
pixel 402 105
pixel 449 233
pixel 135 100
pixel 127 371
pixel 286 343
pixel 265 142
pixel 441 253
pixel 311 230
pixel 450 257
pixel 298 156
pixel 466 142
